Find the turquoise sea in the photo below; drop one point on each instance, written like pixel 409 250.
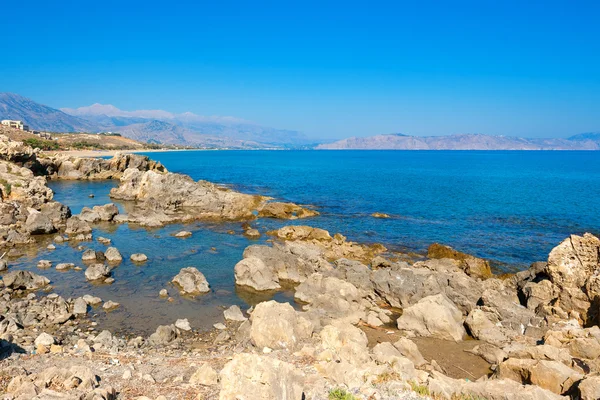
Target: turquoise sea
pixel 509 207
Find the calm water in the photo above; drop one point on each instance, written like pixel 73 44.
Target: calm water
pixel 511 207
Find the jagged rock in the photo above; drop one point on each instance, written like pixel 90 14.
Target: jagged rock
pixel 191 281
pixel 4 265
pixel 234 313
pixel 91 300
pixel 472 266
pixel 164 334
pixel 25 280
pixel 589 388
pixel 64 266
pixel 342 341
pixel 91 255
pixel 205 375
pixel 551 375
pixel 409 349
pixel 433 316
pixel 183 324
pixel 285 211
pixel 386 353
pixel 106 212
pixel 76 226
pixel 97 271
pixel 250 376
pixel 254 273
pixel 39 224
pixel 278 326
pixel 80 306
pixel 113 255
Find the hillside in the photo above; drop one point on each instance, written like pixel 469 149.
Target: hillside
pixel 152 126
pixel 462 142
pixel 41 117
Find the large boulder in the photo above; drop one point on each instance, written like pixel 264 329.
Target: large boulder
pixel 106 212
pixel 278 326
pixel 252 272
pixel 250 376
pixel 191 281
pixel 434 316
pixel 39 224
pixel 164 334
pixel 24 280
pixel 76 226
pixel 550 375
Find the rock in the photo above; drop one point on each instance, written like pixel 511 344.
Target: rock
pixel 113 255
pixel 80 306
pixel 254 273
pixel 110 305
pixel 191 281
pixel 589 388
pixel 183 234
pixel 24 280
pixel 91 300
pixel 220 326
pixel 76 226
pixel 344 342
pixel 90 255
pixel 44 264
pixel 433 316
pixel 204 375
pixel 64 266
pixel 409 349
pixel 380 215
pixel 386 353
pixel 234 313
pixel 550 375
pixel 473 266
pixel 285 211
pixel 183 324
pixel 164 334
pixel 4 265
pixel 39 224
pixel 139 258
pixel 104 240
pixel 252 233
pixel 278 326
pixel 97 271
pixel 482 328
pixel 163 293
pixel 250 376
pixel 45 339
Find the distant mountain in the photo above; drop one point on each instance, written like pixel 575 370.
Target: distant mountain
pixel 155 126
pixel 40 117
pixel 589 141
pixel 186 128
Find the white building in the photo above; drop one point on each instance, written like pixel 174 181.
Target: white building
pixel 15 124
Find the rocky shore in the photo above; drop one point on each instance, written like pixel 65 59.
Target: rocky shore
pixel 363 329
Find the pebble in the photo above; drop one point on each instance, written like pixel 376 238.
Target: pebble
pixel 163 293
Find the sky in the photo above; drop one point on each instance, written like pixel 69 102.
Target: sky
pixel 328 69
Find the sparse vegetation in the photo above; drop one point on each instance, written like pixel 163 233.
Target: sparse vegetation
pixel 42 144
pixel 419 389
pixel 341 394
pixel 7 187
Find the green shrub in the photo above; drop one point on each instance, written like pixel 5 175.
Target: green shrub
pixel 340 394
pixel 41 144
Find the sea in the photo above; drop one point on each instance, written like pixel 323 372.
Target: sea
pixel 511 207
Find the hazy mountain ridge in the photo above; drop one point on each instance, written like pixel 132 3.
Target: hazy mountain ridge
pixel 463 142
pixel 156 126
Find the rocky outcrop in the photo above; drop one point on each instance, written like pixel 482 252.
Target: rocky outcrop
pixel 250 376
pixel 278 326
pixel 285 211
pixel 191 282
pixel 106 212
pixel 473 266
pixel 434 316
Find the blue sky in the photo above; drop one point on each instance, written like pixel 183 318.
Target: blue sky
pixel 329 69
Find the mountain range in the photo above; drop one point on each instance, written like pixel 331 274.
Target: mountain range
pixel 398 141
pixel 153 126
pixel 159 126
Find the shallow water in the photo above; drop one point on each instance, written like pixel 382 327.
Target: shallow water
pixel 511 207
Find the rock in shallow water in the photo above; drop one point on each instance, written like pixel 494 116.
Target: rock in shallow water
pixel 97 271
pixel 191 281
pixel 139 258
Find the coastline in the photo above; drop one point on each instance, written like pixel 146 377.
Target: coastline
pixel 110 153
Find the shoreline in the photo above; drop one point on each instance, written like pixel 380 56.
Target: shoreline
pixel 111 153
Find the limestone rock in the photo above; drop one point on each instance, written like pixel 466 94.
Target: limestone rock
pixel 551 375
pixel 205 375
pixel 278 326
pixel 45 339
pixel 164 334
pixel 139 258
pixel 76 226
pixel 39 224
pixel 191 281
pixel 250 376
pixel 433 316
pixel 473 266
pixel 25 280
pixel 113 255
pixel 234 313
pixel 254 273
pixel 97 271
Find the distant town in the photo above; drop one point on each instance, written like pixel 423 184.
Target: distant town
pixel 20 125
